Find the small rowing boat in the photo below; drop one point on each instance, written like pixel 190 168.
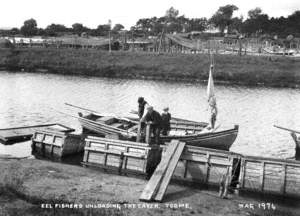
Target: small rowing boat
pixel 193 133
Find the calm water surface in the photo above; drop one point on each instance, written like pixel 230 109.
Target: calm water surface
pixel 30 98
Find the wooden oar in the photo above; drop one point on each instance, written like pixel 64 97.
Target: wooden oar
pixel 78 107
pixel 175 119
pixel 96 112
pixel 287 129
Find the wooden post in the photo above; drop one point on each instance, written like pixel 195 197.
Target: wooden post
pixel 262 176
pixel 138 137
pixel 148 133
pixel 283 179
pixel 86 153
pixel 185 168
pixel 121 163
pixel 207 167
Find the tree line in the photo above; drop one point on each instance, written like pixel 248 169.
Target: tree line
pixel 30 28
pixel 256 24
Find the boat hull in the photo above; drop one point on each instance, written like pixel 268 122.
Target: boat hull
pixel 221 140
pixel 216 140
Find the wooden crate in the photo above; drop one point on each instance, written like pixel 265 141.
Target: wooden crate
pixel 120 155
pixel 271 176
pixel 204 166
pixel 56 144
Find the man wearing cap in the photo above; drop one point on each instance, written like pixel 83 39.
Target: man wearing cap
pixel 141 107
pixel 153 117
pixel 165 121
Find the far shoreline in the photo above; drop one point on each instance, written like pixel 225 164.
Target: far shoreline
pixel 266 71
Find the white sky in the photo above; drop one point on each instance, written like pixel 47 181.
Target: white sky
pixel 91 13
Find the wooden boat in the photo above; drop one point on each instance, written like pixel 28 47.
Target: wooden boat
pixel 193 133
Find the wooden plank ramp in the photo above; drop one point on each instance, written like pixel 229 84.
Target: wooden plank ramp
pixel 157 185
pixel 169 172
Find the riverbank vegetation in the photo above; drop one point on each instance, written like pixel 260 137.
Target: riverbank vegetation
pixel 246 70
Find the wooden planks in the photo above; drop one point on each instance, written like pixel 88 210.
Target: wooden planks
pixel 271 176
pixel 153 183
pixel 11 135
pixel 157 185
pixel 170 170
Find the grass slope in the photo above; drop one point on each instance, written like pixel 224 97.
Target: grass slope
pixel 250 70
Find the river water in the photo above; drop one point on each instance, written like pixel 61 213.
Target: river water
pixel 32 98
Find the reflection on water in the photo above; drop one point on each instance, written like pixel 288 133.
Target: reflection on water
pixel 29 98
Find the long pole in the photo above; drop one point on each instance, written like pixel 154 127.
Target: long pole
pixel 287 129
pixel 94 111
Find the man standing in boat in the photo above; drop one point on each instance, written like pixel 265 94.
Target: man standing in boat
pixel 212 102
pixel 213 112
pixel 165 123
pixel 153 117
pixel 141 106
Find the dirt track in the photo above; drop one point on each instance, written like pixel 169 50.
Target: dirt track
pixel 28 185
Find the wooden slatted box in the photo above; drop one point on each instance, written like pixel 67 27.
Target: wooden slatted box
pixel 120 155
pixel 54 144
pixel 204 166
pixel 270 176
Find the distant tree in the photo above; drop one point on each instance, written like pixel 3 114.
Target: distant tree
pixel 41 31
pixel 254 13
pixel 169 23
pixel 257 23
pixel 55 29
pixel 29 27
pixel 293 24
pixel 14 31
pixel 103 30
pixel 144 26
pixel 223 17
pixel 172 13
pixel 197 24
pixel 117 27
pixel 236 25
pixel 78 28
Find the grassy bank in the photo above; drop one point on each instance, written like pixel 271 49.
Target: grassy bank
pixel 249 70
pixel 27 184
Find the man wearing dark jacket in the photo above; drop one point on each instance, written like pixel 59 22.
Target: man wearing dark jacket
pixel 153 117
pixel 166 118
pixel 141 106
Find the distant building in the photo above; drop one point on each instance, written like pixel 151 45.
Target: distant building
pixel 212 29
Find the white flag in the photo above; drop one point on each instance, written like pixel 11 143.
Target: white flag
pixel 211 89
